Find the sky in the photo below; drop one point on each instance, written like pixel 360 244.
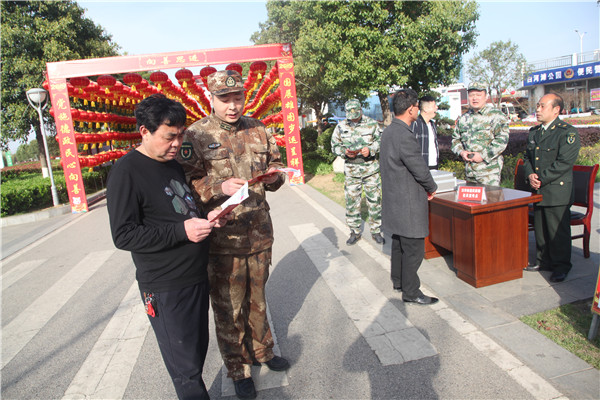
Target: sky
pixel 541 29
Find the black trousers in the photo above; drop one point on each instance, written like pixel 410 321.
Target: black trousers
pixel 407 255
pixel 552 226
pixel 181 329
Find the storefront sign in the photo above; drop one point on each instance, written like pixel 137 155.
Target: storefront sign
pixel 563 74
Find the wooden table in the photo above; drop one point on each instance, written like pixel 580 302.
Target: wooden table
pixel 489 240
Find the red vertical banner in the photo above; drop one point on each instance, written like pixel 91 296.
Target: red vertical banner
pixel 59 96
pixel 596 299
pixel 291 123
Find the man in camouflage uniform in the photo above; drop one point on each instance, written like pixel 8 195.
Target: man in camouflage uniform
pixel 480 137
pixel 356 139
pixel 552 149
pixel 220 154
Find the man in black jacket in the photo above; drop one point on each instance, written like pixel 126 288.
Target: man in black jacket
pixel 153 214
pixel 426 132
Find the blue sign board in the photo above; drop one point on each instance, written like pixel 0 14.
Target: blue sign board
pixel 563 74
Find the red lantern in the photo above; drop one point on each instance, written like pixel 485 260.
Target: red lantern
pixel 184 75
pixel 258 66
pixel 205 73
pixel 160 78
pixel 80 82
pixel 107 82
pixel 235 67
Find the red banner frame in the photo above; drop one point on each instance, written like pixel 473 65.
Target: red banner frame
pixel 59 72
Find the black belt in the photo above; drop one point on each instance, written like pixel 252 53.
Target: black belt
pixel 360 159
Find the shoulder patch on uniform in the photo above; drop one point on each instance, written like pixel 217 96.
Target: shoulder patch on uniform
pixel 571 138
pixel 213 146
pixel 186 150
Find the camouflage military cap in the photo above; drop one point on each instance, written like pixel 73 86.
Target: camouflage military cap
pixel 223 82
pixel 477 86
pixel 353 109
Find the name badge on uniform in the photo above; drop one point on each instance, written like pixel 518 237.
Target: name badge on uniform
pixel 213 146
pixel 186 150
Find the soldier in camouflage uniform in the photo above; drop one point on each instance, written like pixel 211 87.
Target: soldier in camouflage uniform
pixel 220 154
pixel 480 137
pixel 356 139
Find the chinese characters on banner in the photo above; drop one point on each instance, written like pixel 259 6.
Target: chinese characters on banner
pixel 68 147
pixel 289 111
pixel 596 299
pixel 563 74
pixel 158 61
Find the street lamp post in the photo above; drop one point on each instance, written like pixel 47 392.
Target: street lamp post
pixel 581 35
pixel 38 98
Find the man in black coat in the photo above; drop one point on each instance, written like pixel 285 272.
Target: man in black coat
pixel 426 132
pixel 407 185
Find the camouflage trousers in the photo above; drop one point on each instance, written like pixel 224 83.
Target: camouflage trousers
pixel 491 178
pixel 353 189
pixel 237 293
pixel 485 174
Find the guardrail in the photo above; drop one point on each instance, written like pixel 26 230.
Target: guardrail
pixel 566 61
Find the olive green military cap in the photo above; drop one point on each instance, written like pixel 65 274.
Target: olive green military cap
pixel 353 109
pixel 223 82
pixel 477 86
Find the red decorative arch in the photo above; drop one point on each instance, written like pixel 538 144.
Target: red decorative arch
pixel 190 93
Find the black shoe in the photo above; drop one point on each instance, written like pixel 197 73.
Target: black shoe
pixel 397 288
pixel 558 277
pixel 532 268
pixel 277 364
pixel 244 388
pixel 422 300
pixel 378 238
pixel 354 237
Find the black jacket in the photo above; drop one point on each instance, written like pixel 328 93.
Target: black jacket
pixel 419 127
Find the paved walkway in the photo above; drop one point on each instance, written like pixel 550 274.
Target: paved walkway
pixel 358 277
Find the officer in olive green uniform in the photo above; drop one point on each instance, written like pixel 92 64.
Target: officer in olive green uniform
pixel 220 154
pixel 356 139
pixel 552 149
pixel 480 137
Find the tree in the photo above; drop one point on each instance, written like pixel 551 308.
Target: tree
pixel 34 33
pixel 27 152
pixel 345 49
pixel 500 66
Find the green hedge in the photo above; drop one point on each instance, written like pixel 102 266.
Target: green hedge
pixel 28 192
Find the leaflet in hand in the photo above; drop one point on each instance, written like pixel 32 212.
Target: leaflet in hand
pixel 233 202
pixel 262 177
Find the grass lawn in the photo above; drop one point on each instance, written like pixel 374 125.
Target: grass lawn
pixel 568 326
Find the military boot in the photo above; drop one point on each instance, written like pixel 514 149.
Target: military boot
pixel 354 237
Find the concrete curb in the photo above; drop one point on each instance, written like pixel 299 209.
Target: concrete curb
pixel 48 213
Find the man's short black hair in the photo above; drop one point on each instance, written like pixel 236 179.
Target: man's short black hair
pixel 425 99
pixel 403 100
pixel 157 110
